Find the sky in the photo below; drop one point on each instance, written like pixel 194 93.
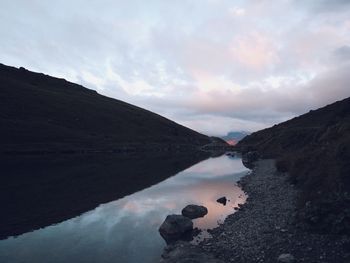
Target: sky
pixel 212 65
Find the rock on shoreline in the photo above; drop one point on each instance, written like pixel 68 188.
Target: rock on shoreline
pixel 176 227
pixel 266 228
pixel 194 211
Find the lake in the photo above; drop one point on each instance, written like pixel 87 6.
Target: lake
pixel 126 230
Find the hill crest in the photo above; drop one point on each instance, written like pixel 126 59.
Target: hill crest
pixel 44 113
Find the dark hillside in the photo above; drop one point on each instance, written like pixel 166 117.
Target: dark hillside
pixel 315 149
pixel 42 113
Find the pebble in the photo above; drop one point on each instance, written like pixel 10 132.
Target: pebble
pixel 286 258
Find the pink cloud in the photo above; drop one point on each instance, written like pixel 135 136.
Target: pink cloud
pixel 254 51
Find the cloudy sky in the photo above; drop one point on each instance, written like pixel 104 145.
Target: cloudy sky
pixel 212 65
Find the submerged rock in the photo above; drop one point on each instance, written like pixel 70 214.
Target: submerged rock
pixel 222 200
pixel 176 227
pixel 194 211
pixel 286 258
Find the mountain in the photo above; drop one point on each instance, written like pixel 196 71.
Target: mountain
pixel 234 137
pixel 39 113
pixel 314 149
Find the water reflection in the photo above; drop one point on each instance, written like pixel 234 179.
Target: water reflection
pixel 126 230
pixel 41 190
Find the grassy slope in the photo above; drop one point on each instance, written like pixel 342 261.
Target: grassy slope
pixel 39 112
pixel 315 149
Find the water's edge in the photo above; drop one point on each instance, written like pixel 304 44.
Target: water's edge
pixel 127 228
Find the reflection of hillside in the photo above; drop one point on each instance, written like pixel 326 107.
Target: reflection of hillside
pixel 40 191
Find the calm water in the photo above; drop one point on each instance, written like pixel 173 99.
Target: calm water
pixel 126 230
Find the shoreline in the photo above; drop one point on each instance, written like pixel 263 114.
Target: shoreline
pixel 264 228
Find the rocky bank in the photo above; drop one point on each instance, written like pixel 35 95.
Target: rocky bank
pixel 264 228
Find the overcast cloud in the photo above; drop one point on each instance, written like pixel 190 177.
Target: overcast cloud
pixel 212 65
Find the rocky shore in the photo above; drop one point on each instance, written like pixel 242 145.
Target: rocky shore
pixel 264 229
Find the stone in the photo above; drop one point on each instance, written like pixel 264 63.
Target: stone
pixel 181 252
pixel 222 200
pixel 194 211
pixel 286 258
pixel 176 227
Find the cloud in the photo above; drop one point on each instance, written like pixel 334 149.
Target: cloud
pixel 254 51
pixel 211 65
pixel 237 11
pixel 342 53
pixel 325 5
pixel 331 86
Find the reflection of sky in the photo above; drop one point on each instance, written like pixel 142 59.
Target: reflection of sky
pixel 126 230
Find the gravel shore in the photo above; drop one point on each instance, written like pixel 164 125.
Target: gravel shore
pixel 265 227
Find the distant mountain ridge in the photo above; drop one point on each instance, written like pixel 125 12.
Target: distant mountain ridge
pixel 314 149
pixel 43 113
pixel 234 137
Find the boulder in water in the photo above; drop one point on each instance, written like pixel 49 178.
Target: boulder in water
pixel 176 227
pixel 194 211
pixel 222 200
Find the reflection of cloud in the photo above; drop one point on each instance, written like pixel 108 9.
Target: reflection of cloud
pixel 216 211
pixel 217 167
pixel 127 229
pixel 201 184
pixel 140 207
